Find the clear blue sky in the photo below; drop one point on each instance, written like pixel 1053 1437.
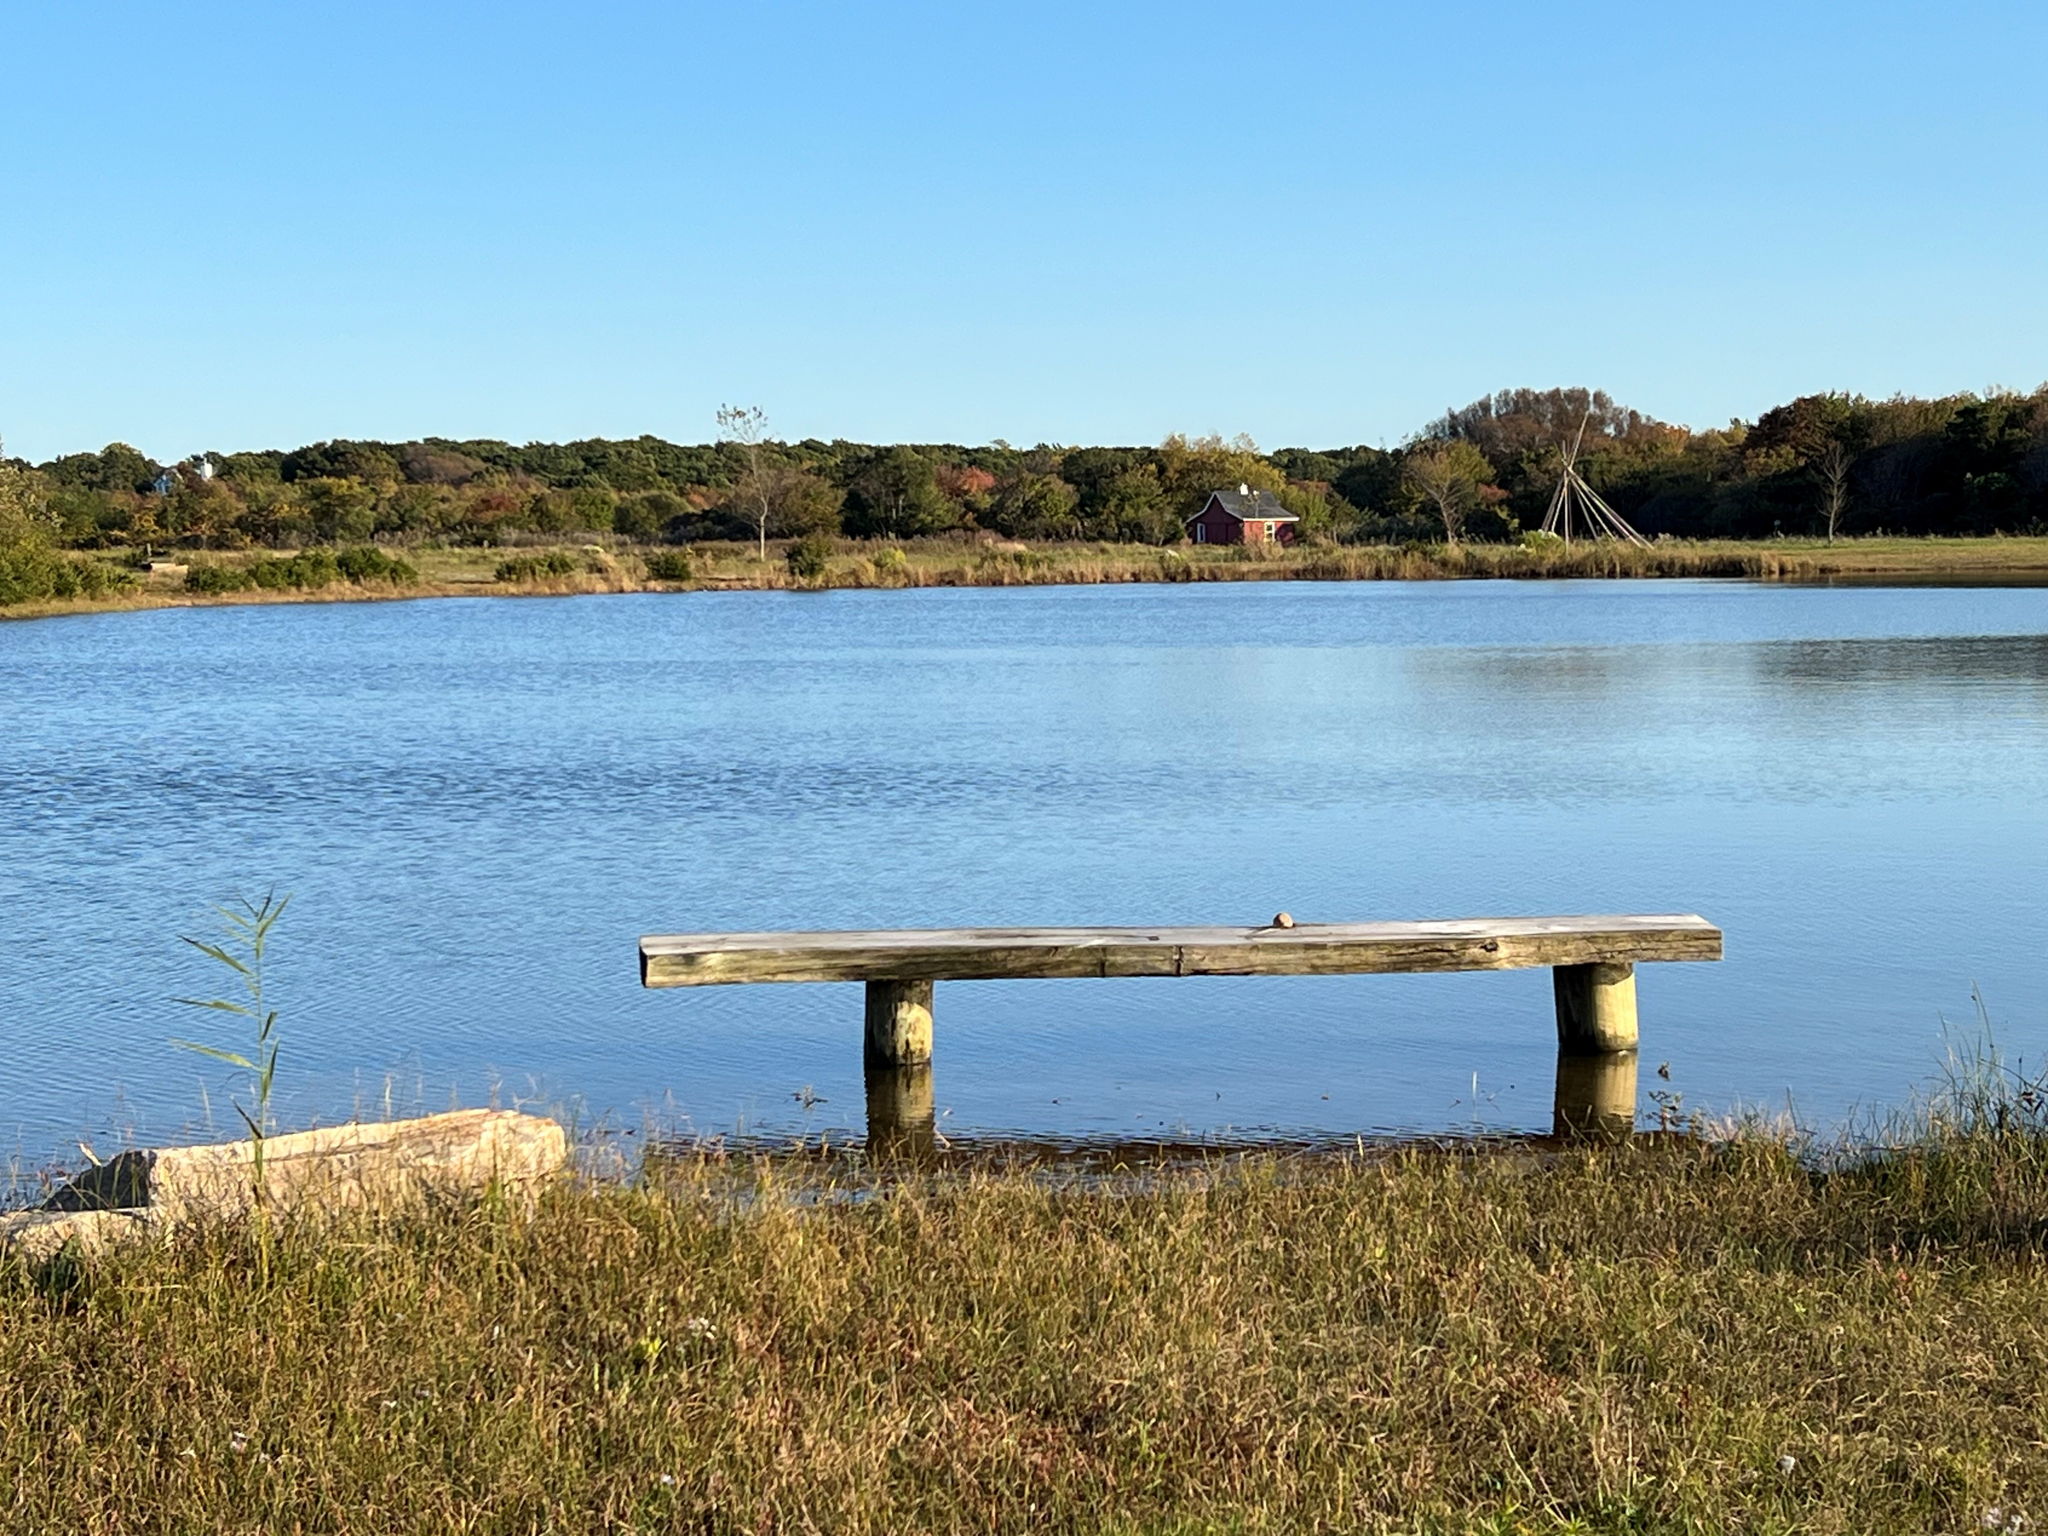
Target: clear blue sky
pixel 244 225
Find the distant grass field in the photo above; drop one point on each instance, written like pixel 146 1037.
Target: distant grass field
pixel 1674 1335
pixel 946 562
pixel 469 572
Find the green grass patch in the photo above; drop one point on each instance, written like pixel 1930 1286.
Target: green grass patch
pixel 670 565
pixel 31 571
pixel 550 565
pixel 307 571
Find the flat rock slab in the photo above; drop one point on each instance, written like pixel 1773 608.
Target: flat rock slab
pixel 43 1234
pixel 384 1166
pixel 1304 949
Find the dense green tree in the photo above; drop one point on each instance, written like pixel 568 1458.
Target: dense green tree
pixel 369 463
pixel 1134 509
pixel 249 468
pixel 1302 464
pixel 648 517
pixel 273 514
pixel 418 511
pixel 116 467
pixel 892 493
pixel 338 510
pixel 1986 478
pixel 1036 506
pixel 83 519
pixel 1324 515
pixel 585 509
pixel 803 505
pixel 1370 480
pixel 1513 422
pixel 200 510
pixel 1091 471
pixel 31 567
pixel 24 501
pixel 438 464
pixel 1191 468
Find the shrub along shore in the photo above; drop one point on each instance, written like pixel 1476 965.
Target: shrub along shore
pixel 1682 1333
pixel 367 572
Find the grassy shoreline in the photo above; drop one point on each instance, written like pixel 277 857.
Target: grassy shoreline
pixel 949 563
pixel 1670 1335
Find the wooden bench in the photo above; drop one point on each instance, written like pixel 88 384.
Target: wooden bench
pixel 1592 962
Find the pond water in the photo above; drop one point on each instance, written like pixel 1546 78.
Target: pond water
pixel 478 807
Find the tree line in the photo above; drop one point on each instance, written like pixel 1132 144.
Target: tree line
pixel 1831 464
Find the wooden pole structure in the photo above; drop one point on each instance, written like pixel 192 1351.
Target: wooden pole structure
pixel 1602 521
pixel 1596 1008
pixel 1596 1049
pixel 899 1023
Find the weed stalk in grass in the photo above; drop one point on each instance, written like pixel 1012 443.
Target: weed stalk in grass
pixel 242 951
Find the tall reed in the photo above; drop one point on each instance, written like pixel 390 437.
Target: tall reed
pixel 242 950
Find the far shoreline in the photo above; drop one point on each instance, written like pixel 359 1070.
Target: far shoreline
pixel 1996 560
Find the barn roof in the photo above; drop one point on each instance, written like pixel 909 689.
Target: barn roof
pixel 1246 505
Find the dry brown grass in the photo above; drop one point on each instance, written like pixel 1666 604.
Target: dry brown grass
pixel 953 563
pixel 1671 1336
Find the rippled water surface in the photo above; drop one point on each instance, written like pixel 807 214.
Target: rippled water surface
pixel 480 805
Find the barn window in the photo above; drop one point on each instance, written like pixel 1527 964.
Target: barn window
pixel 1201 533
pixel 1269 530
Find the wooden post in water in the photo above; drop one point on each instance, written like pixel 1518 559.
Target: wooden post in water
pixel 1596 1049
pixel 899 1027
pixel 1596 1008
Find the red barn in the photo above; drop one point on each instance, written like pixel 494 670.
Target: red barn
pixel 1242 516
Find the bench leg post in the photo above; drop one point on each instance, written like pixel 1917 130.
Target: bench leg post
pixel 1596 1008
pixel 899 1028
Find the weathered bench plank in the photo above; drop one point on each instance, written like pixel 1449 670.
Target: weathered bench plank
pixel 1308 949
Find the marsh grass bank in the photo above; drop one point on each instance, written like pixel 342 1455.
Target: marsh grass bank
pixel 543 570
pixel 1667 1336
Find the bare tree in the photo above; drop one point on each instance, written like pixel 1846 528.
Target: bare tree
pixel 1832 466
pixel 747 425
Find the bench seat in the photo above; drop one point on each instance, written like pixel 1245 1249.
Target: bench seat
pixel 1306 949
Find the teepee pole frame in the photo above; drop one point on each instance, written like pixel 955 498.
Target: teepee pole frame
pixel 1602 521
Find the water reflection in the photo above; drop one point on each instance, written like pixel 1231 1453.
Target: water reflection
pixel 902 1113
pixel 1596 1096
pixel 1869 664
